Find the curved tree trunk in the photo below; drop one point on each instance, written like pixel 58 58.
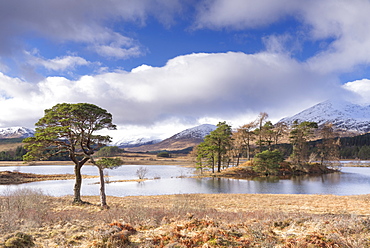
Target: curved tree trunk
pixel 78 176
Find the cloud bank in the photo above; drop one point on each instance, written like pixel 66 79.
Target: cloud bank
pixel 189 88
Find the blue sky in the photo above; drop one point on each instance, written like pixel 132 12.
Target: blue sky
pixel 161 66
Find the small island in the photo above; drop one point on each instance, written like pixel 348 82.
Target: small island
pixel 221 152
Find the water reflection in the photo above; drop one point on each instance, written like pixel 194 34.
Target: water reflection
pixel 351 181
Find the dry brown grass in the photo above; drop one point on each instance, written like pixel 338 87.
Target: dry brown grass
pixel 9 177
pixel 22 163
pixel 200 220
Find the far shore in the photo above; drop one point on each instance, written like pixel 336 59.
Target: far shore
pixel 126 162
pixel 361 163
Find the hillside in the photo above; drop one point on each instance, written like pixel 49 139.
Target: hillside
pixel 136 141
pixel 11 137
pixel 180 141
pixel 345 116
pixel 15 132
pixel 10 144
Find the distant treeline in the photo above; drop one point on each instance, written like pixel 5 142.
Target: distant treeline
pixel 357 147
pixel 17 154
pixel 13 155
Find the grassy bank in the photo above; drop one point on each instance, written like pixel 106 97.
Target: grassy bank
pixel 14 177
pixel 201 220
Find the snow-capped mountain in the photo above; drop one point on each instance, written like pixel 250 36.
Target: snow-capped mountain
pixel 343 115
pixel 182 140
pixel 135 141
pixel 198 132
pixel 15 132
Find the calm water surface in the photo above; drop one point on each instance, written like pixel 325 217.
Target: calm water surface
pixel 352 181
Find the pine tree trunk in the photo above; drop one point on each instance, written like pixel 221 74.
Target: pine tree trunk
pixel 77 187
pixel 103 198
pixel 248 152
pixel 213 164
pixel 219 163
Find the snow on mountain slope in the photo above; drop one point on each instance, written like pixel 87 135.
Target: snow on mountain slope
pixel 15 132
pixel 182 140
pixel 198 132
pixel 344 115
pixel 136 141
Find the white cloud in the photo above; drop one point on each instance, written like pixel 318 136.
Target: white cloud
pixel 285 44
pixel 359 91
pixel 242 14
pixel 83 22
pixel 347 24
pixel 222 86
pixel 340 26
pixel 17 102
pixel 158 130
pixel 141 68
pixel 59 63
pixel 117 52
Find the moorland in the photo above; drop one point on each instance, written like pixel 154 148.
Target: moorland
pixel 29 218
pixel 32 219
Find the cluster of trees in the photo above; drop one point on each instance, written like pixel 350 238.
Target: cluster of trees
pixel 260 140
pixel 13 155
pixel 214 150
pixel 109 151
pixel 163 154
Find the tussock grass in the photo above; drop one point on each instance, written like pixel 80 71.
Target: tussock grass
pixel 187 220
pixel 22 208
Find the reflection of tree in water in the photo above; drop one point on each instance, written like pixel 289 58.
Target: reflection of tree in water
pixel 221 185
pixel 141 184
pixel 331 178
pixel 269 179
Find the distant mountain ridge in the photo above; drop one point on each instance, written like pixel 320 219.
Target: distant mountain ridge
pixel 198 132
pixel 343 115
pixel 182 140
pixel 16 132
pixel 135 142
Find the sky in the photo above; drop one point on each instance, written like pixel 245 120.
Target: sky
pixel 160 66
